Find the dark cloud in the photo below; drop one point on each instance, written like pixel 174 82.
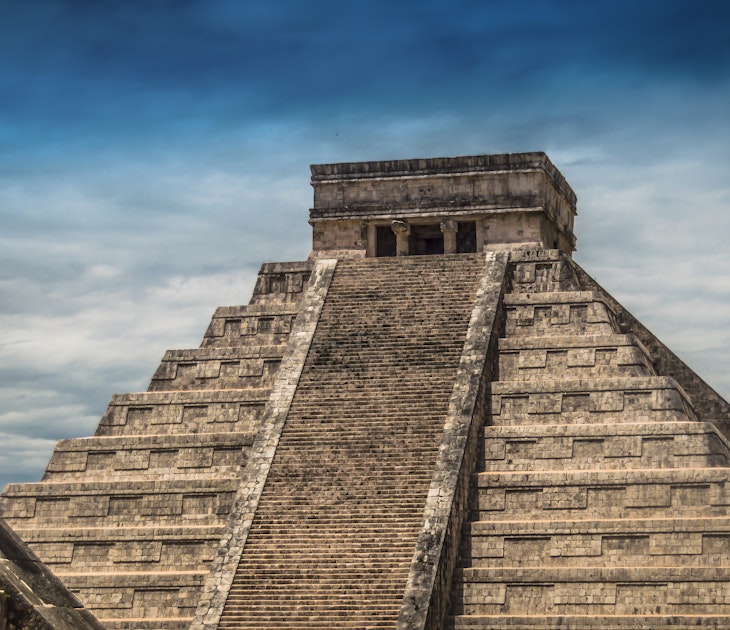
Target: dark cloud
pixel 154 153
pixel 148 67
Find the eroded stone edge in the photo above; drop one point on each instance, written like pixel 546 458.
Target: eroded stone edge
pixel 709 405
pixel 223 568
pixel 426 599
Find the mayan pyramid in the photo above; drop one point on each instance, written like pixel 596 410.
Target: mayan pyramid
pixel 438 421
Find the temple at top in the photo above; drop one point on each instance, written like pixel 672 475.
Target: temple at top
pixel 438 421
pixel 440 206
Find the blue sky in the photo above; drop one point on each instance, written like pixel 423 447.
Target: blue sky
pixel 153 154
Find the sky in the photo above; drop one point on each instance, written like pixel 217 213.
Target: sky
pixel 153 153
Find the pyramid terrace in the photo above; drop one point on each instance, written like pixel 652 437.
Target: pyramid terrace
pixel 438 421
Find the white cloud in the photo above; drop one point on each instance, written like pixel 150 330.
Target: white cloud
pixel 22 457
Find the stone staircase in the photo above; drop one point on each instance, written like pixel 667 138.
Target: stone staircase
pixel 336 526
pixel 601 501
pixel 130 519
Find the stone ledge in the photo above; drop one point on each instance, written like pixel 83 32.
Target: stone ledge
pixel 181 397
pixel 287 267
pixel 255 310
pixel 558 297
pixel 590 479
pixel 445 166
pixel 125 488
pixel 121 533
pixel 589 622
pixel 224 353
pixel 569 341
pixel 154 441
pixel 621 384
pixel 624 575
pixel 602 430
pixel 709 525
pixel 133 580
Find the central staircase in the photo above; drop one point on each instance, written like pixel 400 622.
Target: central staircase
pixel 336 526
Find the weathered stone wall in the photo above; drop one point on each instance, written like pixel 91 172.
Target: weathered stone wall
pixel 349 238
pixel 519 198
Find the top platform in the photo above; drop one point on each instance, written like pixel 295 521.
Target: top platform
pixel 515 199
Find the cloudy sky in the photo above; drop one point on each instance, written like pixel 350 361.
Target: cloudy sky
pixel 154 152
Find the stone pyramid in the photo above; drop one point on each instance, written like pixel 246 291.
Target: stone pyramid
pixel 438 421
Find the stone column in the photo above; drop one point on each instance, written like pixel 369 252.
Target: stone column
pixel 402 231
pixel 371 245
pixel 449 229
pixel 480 235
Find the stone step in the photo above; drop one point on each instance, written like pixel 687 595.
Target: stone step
pixel 294 537
pixel 155 456
pixel 568 313
pixel 358 553
pixel 319 576
pixel 165 413
pixel 137 594
pixel 132 579
pixel 588 622
pixel 163 533
pixel 250 326
pixel 303 619
pixel 548 272
pixel 399 361
pixel 349 516
pixel 406 409
pixel 377 431
pixel 349 501
pixel 217 368
pixel 586 591
pixel 130 502
pixel 231 339
pixel 389 472
pixel 352 556
pixel 581 401
pixel 294 527
pixel 106 549
pixel 602 446
pixel 282 282
pixel 103 556
pixel 661 542
pixel 360 521
pixel 572 357
pixel 393 355
pixel 603 494
pixel 142 623
pixel 353 386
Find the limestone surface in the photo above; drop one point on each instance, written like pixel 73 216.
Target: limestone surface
pixel 438 421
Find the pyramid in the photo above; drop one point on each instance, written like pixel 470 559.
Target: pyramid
pixel 438 421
